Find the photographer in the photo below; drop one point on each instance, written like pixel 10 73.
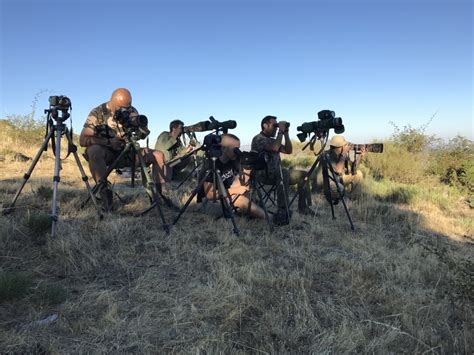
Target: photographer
pixel 104 138
pixel 272 143
pixel 340 157
pixel 228 165
pixel 170 144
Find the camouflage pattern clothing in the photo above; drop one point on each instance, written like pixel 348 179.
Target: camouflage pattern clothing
pixel 101 119
pixel 283 179
pixel 259 142
pixel 340 166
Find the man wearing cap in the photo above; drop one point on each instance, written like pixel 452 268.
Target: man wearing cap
pixel 339 157
pixel 271 142
pixel 104 139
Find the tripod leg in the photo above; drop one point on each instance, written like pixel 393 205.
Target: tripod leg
pixel 56 179
pixel 259 194
pixel 226 201
pixel 194 193
pixel 83 173
pixel 305 180
pixel 100 184
pixel 341 196
pixel 152 187
pixel 27 175
pixel 285 192
pixel 327 166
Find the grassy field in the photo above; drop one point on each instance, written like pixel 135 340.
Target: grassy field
pixel 403 282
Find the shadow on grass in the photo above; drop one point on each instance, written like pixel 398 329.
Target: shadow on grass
pixel 313 286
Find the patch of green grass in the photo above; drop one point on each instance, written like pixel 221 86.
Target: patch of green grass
pixel 14 285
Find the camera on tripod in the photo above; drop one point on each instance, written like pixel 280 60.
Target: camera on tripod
pixel 62 103
pixel 132 122
pixel 210 125
pixel 370 148
pixel 212 145
pixel 327 121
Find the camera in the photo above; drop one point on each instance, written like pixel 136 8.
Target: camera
pixel 210 125
pixel 212 145
pixel 132 122
pixel 287 125
pixel 370 148
pixel 254 160
pixel 327 120
pixel 60 102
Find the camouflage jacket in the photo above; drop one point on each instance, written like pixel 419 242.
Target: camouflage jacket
pixel 259 142
pixel 102 120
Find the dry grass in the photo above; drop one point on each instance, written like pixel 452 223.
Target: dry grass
pixel 402 283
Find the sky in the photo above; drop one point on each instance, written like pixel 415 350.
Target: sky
pixel 372 62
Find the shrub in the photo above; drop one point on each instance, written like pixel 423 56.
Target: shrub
pixel 453 163
pixel 397 163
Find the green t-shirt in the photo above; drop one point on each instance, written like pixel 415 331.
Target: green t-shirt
pixel 170 146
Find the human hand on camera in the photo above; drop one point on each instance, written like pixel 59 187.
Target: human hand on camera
pixel 282 126
pixel 117 143
pixel 189 148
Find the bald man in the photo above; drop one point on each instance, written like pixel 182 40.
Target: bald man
pixel 104 139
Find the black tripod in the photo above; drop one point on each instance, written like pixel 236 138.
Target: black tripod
pixel 253 187
pixel 59 129
pixel 218 185
pixel 132 148
pixel 328 175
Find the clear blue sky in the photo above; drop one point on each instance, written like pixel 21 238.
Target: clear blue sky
pixel 370 61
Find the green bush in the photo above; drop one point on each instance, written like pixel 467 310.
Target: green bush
pixel 397 164
pixel 453 163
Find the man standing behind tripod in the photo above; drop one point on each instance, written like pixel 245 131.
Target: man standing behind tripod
pixel 104 139
pixel 265 141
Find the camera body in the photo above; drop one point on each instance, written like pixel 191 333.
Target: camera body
pixel 61 102
pixel 370 148
pixel 254 160
pixel 287 125
pixel 132 122
pixel 327 121
pixel 212 145
pixel 210 125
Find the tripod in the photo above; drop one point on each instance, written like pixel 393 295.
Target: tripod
pixel 252 188
pixel 132 149
pixel 59 129
pixel 218 185
pixel 328 175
